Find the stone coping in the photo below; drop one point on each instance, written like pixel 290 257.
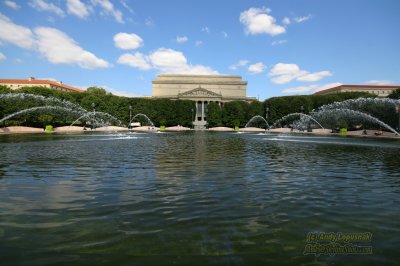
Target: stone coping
pixel 81 129
pixel 111 128
pixel 69 129
pixel 65 129
pixel 251 129
pixel 177 128
pixel 221 129
pixel 145 129
pixel 370 133
pixel 20 129
pixel 282 130
pixel 289 130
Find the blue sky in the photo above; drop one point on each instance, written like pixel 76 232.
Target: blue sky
pixel 281 47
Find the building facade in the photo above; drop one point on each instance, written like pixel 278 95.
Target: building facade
pixel 202 89
pixel 381 91
pixel 15 84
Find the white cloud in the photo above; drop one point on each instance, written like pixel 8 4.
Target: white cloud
pixel 174 62
pixel 279 42
pixel 286 21
pixel 123 93
pixel 205 29
pixel 311 77
pixel 114 91
pixel 297 90
pixel 310 88
pixel 15 34
pixel 198 43
pixel 42 5
pixel 258 21
pixel 2 57
pixel 327 86
pixel 149 22
pixel 302 19
pixel 256 68
pixel 126 5
pixel 379 82
pixel 224 34
pixel 56 46
pixel 48 78
pixel 166 61
pixel 108 9
pixel 241 63
pixel 194 70
pixel 11 4
pixel 59 48
pixel 284 73
pixel 77 8
pixel 136 60
pixel 127 41
pixel 181 39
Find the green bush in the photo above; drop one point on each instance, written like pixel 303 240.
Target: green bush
pixel 160 111
pixel 49 128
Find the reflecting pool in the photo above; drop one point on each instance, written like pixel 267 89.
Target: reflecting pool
pixel 196 198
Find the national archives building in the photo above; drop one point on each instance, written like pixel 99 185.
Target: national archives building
pixel 203 89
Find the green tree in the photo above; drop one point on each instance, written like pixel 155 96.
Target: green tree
pixel 5 89
pixel 281 106
pixel 214 115
pixel 234 114
pixel 97 90
pixel 183 112
pixel 255 108
pixel 395 94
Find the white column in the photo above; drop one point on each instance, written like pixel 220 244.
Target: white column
pixel 197 112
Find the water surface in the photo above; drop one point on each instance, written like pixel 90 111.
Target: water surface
pixel 194 198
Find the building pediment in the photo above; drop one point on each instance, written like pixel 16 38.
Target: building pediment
pixel 199 92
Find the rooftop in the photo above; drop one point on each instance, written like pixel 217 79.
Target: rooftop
pixel 359 87
pixel 198 76
pixel 33 81
pixel 200 79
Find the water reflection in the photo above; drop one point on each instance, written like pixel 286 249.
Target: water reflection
pixel 193 197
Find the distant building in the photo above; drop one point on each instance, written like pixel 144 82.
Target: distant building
pixel 202 89
pixel 15 84
pixel 381 91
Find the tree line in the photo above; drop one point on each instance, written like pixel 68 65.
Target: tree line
pixel 160 111
pixel 281 106
pixel 180 112
pixel 238 113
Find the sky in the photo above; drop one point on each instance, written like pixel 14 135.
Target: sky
pixel 280 47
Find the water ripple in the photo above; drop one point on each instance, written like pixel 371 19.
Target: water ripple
pixel 235 198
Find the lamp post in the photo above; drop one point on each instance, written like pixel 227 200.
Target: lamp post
pixel 398 113
pixel 130 116
pixel 94 114
pixel 192 117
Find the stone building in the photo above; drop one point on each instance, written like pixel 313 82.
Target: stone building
pixel 202 89
pixel 15 84
pixel 379 90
